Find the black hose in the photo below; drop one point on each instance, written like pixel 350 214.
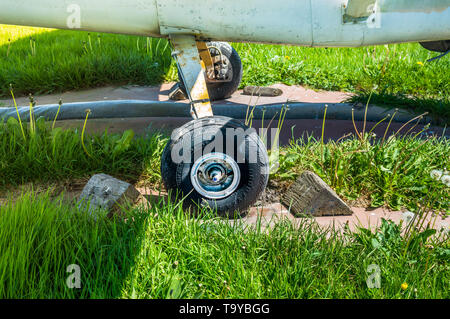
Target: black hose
pixel 138 108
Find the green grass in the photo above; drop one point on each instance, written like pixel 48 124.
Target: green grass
pixel 393 68
pixel 393 172
pixel 46 61
pixel 160 252
pixel 56 154
pixel 397 75
pixel 56 61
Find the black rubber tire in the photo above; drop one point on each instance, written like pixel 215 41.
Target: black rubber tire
pixel 196 135
pixel 223 90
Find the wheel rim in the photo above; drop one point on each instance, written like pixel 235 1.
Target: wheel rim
pixel 215 175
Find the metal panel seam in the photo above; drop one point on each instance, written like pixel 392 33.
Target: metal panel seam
pixel 158 16
pixel 312 22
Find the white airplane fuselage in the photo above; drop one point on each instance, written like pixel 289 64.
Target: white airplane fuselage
pixel 316 23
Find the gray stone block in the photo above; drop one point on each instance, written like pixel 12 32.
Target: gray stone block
pixel 310 195
pixel 107 193
pixel 262 91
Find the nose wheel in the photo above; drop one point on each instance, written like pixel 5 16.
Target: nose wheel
pixel 216 162
pixel 212 161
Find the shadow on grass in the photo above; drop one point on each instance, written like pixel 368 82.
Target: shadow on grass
pixel 37 249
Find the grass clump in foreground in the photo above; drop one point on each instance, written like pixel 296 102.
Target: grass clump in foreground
pixel 161 252
pixel 44 61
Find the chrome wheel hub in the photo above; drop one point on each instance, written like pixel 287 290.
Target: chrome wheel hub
pixel 215 175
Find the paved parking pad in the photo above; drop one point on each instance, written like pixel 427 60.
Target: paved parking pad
pixel 267 216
